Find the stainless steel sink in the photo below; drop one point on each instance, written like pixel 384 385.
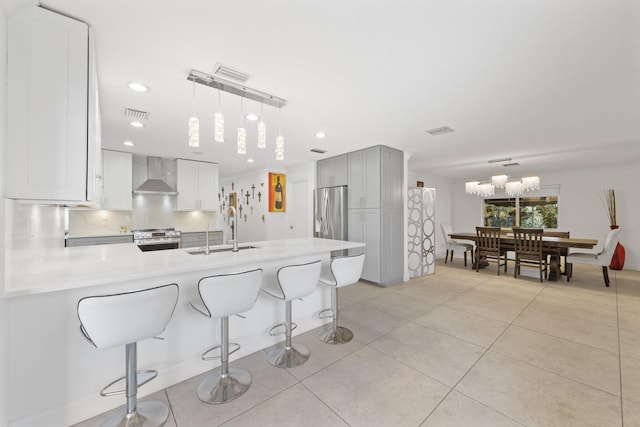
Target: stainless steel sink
pixel 201 251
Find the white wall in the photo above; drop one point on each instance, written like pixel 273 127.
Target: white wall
pixel 259 224
pixel 4 306
pixel 276 224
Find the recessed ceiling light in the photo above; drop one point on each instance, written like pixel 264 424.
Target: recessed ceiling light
pixel 128 143
pixel 249 160
pixel 320 135
pixel 138 87
pixel 251 116
pixel 137 124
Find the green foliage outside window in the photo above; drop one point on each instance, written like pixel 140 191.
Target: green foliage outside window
pixel 529 212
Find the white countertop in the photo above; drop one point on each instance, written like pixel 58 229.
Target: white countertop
pixel 60 269
pixel 114 234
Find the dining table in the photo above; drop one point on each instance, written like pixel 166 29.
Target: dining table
pixel 551 245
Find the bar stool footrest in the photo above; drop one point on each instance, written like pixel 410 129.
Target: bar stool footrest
pixel 327 313
pixel 281 325
pixel 204 356
pixel 142 378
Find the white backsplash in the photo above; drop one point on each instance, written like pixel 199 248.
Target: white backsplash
pixel 149 211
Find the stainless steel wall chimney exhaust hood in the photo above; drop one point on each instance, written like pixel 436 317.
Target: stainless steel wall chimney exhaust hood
pixel 154 183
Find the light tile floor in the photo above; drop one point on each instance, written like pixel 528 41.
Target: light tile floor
pixel 458 348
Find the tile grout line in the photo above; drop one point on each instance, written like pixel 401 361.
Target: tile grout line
pixel 615 280
pixel 479 358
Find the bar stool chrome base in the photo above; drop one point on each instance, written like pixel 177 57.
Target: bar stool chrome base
pixel 283 357
pixel 341 335
pixel 217 388
pixel 147 414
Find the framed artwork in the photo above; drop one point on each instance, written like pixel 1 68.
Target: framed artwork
pixel 277 192
pixel 420 184
pixel 233 201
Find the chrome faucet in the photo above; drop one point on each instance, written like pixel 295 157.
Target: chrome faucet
pixel 231 213
pixel 206 241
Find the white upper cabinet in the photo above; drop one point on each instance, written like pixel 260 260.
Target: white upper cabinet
pixel 364 178
pixel 197 185
pixel 118 180
pixel 332 171
pixel 53 128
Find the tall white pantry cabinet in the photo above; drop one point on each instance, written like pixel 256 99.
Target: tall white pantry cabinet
pixel 53 127
pixel 375 208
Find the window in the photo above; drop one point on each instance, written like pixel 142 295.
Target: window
pixel 528 212
pixel 500 212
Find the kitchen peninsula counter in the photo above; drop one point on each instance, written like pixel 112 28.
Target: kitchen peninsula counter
pixel 45 341
pixel 58 269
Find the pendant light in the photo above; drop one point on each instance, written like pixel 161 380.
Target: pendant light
pixel 262 129
pixel 194 124
pixel 530 183
pixel 499 181
pixel 513 188
pixel 279 139
pixel 242 134
pixel 218 121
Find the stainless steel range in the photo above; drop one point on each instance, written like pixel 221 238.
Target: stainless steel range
pixel 156 239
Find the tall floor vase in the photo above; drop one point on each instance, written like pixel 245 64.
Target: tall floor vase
pixel 617 262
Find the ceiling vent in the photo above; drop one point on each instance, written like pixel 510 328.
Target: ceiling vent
pixel 439 131
pixel 136 114
pixel 317 150
pixel 222 70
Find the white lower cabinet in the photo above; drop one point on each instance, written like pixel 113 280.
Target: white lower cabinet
pixel 197 185
pixel 364 226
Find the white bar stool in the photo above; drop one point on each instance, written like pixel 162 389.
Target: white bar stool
pixel 344 271
pixel 293 282
pixel 225 295
pixel 124 319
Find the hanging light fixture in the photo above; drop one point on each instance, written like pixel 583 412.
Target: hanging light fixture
pixel 243 92
pixel 194 124
pixel 512 188
pixel 218 123
pixel 279 139
pixel 486 190
pixel 242 134
pixel 499 181
pixel 262 129
pixel 471 187
pixel 530 183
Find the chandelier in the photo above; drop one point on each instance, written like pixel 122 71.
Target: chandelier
pixel 243 92
pixel 512 187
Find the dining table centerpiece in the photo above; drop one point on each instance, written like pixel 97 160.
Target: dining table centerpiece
pixel 617 261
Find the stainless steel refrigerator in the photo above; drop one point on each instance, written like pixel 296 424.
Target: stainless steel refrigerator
pixel 330 213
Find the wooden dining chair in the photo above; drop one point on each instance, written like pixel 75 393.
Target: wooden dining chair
pixel 488 247
pixel 528 246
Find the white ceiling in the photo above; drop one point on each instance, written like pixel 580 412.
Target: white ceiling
pixel 552 84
